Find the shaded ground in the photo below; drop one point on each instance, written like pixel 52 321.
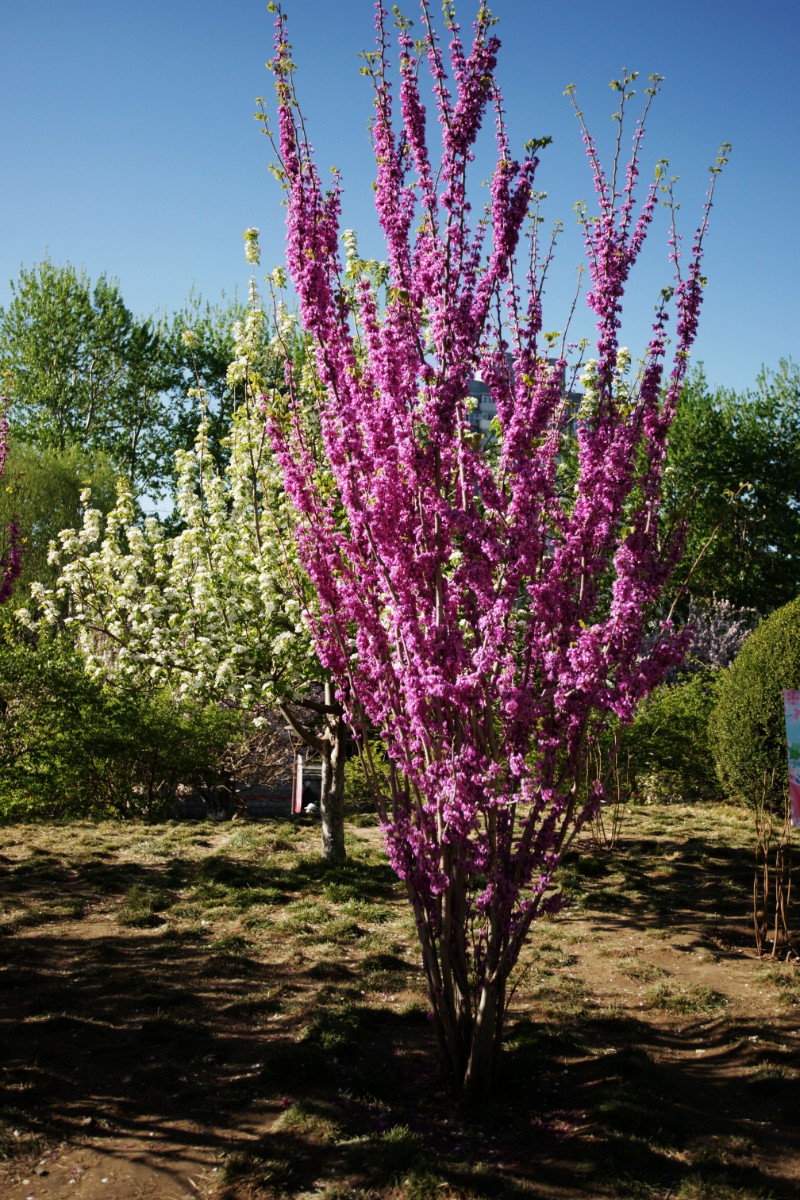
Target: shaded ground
pixel 203 1011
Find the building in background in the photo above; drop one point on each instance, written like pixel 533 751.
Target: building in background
pixel 484 412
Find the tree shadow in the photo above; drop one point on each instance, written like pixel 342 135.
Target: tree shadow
pixel 669 882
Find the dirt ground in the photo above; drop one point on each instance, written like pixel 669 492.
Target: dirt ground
pixel 203 1011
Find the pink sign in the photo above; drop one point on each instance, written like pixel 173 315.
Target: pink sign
pixel 791 705
pixel 297 798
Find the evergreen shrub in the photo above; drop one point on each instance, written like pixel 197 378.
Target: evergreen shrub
pixel 668 742
pixel 747 729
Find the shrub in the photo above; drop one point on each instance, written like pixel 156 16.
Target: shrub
pixel 670 751
pixel 665 754
pixel 747 725
pixel 71 747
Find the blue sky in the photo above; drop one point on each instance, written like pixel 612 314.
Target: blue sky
pixel 130 148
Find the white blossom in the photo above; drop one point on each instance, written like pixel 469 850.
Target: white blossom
pixel 199 610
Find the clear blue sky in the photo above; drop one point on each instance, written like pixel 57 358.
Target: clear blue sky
pixel 129 145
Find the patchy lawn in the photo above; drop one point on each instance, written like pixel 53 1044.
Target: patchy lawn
pixel 203 1010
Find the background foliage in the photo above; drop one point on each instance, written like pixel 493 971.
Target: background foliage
pixel 73 747
pixel 97 391
pixel 747 725
pixel 734 467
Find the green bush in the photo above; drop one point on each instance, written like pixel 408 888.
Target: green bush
pixel 665 753
pixel 747 728
pixel 71 747
pixel 668 743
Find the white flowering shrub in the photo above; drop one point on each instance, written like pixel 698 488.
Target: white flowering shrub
pixel 211 612
pixel 218 609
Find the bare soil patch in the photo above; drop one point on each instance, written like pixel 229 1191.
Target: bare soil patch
pixel 205 1011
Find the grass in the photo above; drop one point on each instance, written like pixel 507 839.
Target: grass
pixel 301 1119
pixel 685 999
pixel 142 906
pixel 274 1011
pixel 640 970
pixel 785 979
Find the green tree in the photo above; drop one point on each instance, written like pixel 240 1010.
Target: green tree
pixel 42 494
pixel 203 362
pixel 734 468
pixel 82 371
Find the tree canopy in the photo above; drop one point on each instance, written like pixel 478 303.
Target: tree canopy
pixel 734 468
pixel 84 374
pixel 82 371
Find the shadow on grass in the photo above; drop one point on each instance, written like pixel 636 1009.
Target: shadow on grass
pixel 45 876
pixel 631 1109
pixel 141 1030
pixel 666 883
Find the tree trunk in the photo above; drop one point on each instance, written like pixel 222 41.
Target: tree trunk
pixel 331 796
pixel 469 1050
pixel 480 1075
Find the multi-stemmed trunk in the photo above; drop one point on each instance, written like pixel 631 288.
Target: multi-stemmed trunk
pixel 469 1043
pixel 468 956
pixel 468 1020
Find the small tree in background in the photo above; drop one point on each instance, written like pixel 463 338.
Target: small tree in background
pixel 214 611
pixel 480 619
pixel 719 630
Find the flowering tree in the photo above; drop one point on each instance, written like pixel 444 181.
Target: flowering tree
pixel 215 611
pixel 481 620
pixel 11 559
pixel 719 630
